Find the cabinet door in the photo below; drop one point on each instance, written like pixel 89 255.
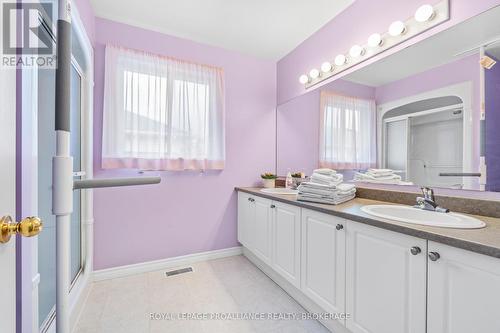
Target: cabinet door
pixel 286 242
pixel 262 224
pixel 323 260
pixel 463 291
pixel 385 286
pixel 246 216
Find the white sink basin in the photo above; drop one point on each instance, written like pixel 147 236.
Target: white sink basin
pixel 279 190
pixel 424 217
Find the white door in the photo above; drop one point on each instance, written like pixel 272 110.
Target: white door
pixel 385 282
pixel 463 291
pixel 8 196
pixel 286 241
pixel 246 213
pixel 323 260
pixel 262 224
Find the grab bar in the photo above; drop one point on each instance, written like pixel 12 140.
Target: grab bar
pixel 460 174
pixel 114 182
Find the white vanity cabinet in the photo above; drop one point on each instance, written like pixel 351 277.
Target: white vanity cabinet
pixel 286 241
pixel 323 260
pixel 262 224
pixel 246 216
pixel 385 281
pixel 463 291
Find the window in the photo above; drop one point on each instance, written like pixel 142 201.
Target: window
pixel 347 132
pixel 161 113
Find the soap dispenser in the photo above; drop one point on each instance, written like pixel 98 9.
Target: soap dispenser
pixel 289 180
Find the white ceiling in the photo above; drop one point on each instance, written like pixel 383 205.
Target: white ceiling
pixel 450 45
pixel 266 29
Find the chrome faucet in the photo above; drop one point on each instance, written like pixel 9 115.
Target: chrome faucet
pixel 428 201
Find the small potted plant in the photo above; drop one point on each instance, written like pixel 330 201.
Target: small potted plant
pixel 268 179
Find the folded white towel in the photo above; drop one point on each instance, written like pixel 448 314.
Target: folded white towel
pixel 376 171
pixel 325 201
pixel 368 178
pixel 325 171
pixel 323 191
pixel 327 180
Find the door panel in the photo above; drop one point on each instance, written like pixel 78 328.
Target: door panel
pixel 286 242
pixel 246 214
pixel 385 283
pixel 262 221
pixel 8 196
pixel 463 292
pixel 323 260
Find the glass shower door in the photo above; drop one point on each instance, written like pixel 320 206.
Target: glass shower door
pixel 46 150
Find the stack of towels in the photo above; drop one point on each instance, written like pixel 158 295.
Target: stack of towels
pixel 326 186
pixel 379 176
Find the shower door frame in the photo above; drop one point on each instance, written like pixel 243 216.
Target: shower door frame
pixel 80 286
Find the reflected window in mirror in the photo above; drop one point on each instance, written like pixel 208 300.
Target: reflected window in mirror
pixel 347 132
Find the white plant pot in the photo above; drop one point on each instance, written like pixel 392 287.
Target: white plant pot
pixel 269 183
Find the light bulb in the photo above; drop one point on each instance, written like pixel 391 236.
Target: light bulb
pixel 326 67
pixel 314 73
pixel 356 51
pixel 375 40
pixel 304 79
pixel 424 13
pixel 340 60
pixel 397 28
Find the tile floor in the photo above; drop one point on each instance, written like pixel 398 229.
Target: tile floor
pixel 228 285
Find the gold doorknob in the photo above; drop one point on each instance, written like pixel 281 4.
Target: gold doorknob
pixel 28 227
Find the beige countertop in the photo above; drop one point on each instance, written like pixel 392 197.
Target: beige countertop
pixel 484 241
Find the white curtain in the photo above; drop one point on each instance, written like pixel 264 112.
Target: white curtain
pixel 161 113
pixel 347 132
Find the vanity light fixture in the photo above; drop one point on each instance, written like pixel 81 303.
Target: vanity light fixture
pixel 375 40
pixel 425 13
pixel 314 73
pixel 356 51
pixel 340 60
pixel 425 17
pixel 304 79
pixel 326 67
pixel 397 28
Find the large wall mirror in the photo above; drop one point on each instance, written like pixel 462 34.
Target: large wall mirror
pixel 417 113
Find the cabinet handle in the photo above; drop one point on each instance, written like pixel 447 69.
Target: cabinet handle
pixel 251 199
pixel 415 250
pixel 339 227
pixel 434 256
pixel 273 206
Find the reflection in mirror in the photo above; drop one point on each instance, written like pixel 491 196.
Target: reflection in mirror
pixel 416 115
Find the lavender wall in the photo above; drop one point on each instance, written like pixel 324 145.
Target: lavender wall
pixel 354 25
pixel 492 99
pixel 297 129
pixel 87 16
pixel 188 212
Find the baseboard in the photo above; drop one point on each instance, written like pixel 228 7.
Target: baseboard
pixel 150 266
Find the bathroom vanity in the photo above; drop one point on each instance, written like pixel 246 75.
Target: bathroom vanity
pixel 386 276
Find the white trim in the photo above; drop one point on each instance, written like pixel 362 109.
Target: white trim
pixel 81 286
pixel 156 265
pixel 462 90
